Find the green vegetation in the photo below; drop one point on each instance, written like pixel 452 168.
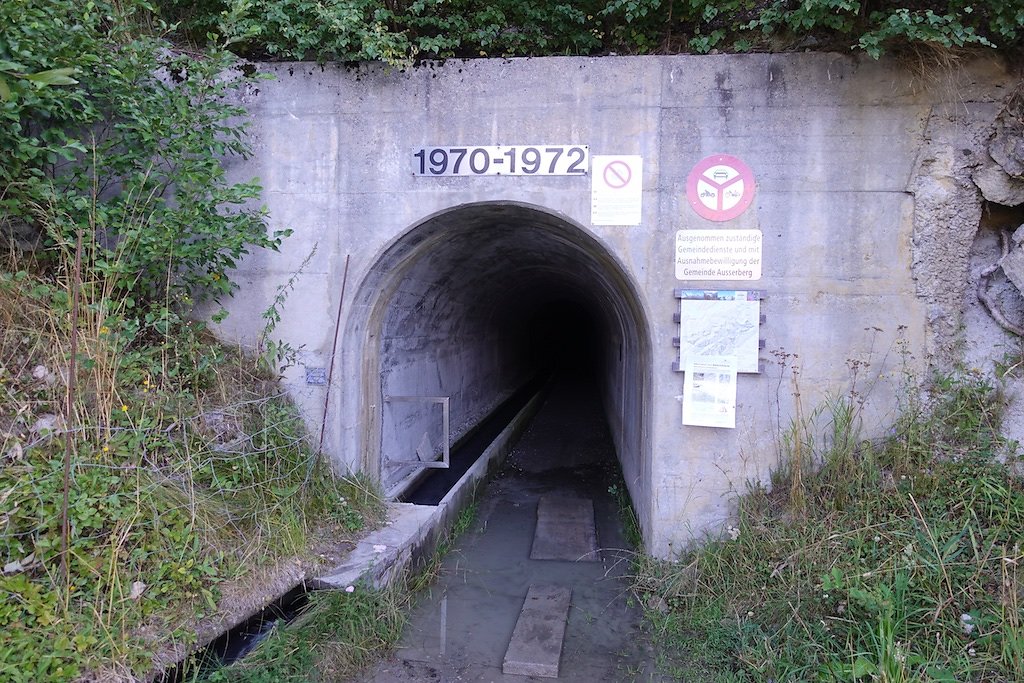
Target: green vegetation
pixel 188 468
pixel 341 633
pixel 401 31
pixel 337 636
pixel 142 465
pixel 893 562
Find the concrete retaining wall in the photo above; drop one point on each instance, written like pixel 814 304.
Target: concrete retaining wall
pixel 864 198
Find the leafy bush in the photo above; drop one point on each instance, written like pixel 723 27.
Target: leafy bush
pixel 184 462
pixel 124 148
pixel 400 32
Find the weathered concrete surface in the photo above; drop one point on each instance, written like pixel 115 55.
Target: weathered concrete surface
pixel 536 644
pixel 382 555
pixel 412 531
pixel 864 196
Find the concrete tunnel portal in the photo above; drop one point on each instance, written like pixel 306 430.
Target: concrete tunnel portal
pixel 475 302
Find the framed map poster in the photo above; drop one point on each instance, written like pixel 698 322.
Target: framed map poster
pixel 719 323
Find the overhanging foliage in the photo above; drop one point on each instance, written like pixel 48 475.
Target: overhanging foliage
pixel 398 31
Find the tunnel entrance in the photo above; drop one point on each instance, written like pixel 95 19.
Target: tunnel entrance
pixel 477 302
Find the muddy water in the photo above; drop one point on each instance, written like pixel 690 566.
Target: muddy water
pixel 460 629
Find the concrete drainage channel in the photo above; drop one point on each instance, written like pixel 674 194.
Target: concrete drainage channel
pixel 413 530
pixel 538 586
pixel 411 533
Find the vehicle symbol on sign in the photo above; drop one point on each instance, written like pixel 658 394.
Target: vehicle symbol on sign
pixel 720 187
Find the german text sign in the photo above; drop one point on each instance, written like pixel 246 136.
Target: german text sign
pixel 718 255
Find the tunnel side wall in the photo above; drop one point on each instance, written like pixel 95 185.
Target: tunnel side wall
pixel 432 348
pixel 842 150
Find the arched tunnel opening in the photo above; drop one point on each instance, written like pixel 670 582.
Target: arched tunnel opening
pixel 485 302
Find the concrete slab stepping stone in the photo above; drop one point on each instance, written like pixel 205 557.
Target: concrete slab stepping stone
pixel 565 530
pixel 536 645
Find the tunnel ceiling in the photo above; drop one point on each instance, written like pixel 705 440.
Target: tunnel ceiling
pixel 501 259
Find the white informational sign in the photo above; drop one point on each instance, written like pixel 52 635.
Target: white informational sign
pixel 709 392
pixel 718 255
pixel 719 323
pixel 616 190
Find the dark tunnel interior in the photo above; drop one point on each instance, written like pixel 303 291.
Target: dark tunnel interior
pixel 476 303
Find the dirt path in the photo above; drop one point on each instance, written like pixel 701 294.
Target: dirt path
pixel 484 580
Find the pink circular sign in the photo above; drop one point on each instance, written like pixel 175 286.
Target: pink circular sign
pixel 720 187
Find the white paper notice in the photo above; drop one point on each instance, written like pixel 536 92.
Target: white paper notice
pixel 709 392
pixel 616 190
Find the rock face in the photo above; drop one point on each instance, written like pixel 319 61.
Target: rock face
pixel 1001 177
pixel 998 186
pixel 1013 262
pixel 1007 146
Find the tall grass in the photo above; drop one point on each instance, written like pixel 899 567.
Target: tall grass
pixel 189 468
pixel 337 636
pixel 863 561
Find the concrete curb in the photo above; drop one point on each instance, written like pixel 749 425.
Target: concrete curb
pixel 413 531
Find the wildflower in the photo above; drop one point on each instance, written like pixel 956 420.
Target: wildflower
pixel 104 329
pixel 971 652
pixel 106 449
pixel 124 408
pixel 734 533
pixel 216 276
pixel 966 623
pixel 350 589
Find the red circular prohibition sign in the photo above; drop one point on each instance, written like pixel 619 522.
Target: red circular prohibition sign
pixel 617 175
pixel 720 187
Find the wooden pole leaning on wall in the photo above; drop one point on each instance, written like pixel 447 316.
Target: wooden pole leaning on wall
pixel 334 354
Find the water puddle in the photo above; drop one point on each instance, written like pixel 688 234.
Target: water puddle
pixel 460 629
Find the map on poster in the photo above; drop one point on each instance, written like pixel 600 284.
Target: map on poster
pixel 709 392
pixel 719 323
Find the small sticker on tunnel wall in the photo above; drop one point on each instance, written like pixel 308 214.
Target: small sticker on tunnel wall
pixel 616 191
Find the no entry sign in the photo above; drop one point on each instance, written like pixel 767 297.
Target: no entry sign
pixel 616 192
pixel 720 187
